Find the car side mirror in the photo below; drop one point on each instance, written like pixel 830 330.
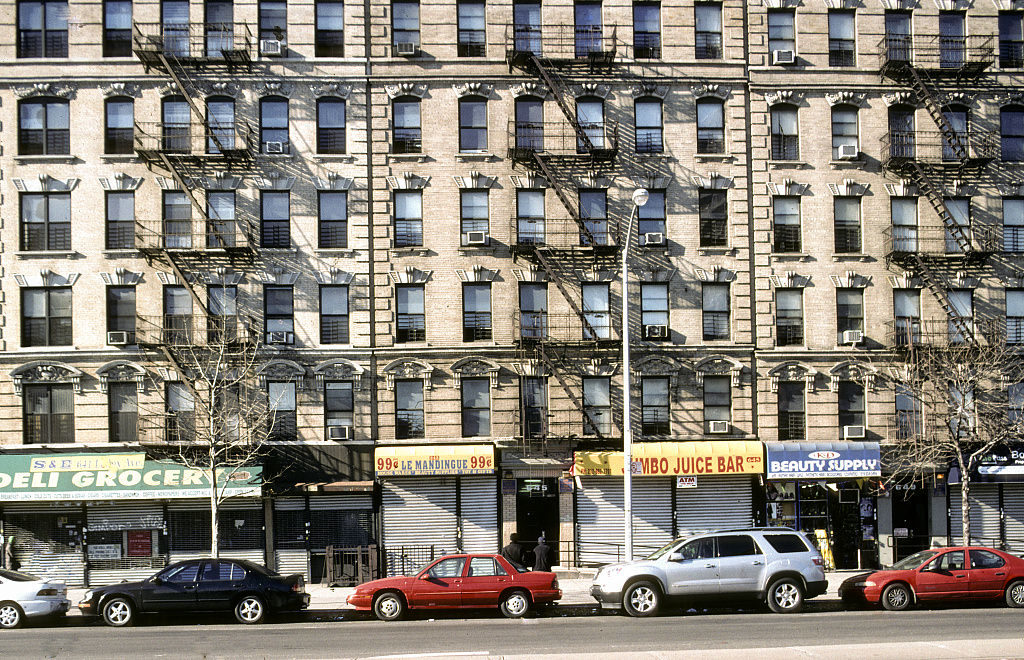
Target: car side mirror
pixel 676 556
pixel 423 576
pixel 157 580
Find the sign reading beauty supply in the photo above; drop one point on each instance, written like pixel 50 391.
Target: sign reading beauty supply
pixel 115 477
pixel 655 459
pixel 434 460
pixel 823 460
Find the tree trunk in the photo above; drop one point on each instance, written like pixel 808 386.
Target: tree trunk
pixel 214 507
pixel 965 507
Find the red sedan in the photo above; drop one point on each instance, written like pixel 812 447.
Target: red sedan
pixel 459 581
pixel 941 575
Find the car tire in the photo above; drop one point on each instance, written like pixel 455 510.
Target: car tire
pixel 250 610
pixel 641 599
pixel 118 612
pixel 1015 594
pixel 515 604
pixel 785 596
pixel 389 606
pixel 11 616
pixel 896 597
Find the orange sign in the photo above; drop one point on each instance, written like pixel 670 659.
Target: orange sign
pixel 655 459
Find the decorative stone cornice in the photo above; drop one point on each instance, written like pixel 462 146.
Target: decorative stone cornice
pixel 471 367
pixel 715 365
pixel 61 90
pixel 120 181
pixel 45 183
pixel 474 180
pixel 337 89
pixel 656 274
pixel 530 368
pixel 46 277
pixel 477 273
pixel 851 370
pixel 274 88
pixel 790 280
pixel 593 180
pixel 121 277
pixel 712 181
pixel 278 276
pixel 120 371
pixel 274 181
pixel 407 368
pixel 334 276
pixel 410 275
pixel 405 89
pixel 221 88
pixel 528 89
pixel 850 280
pixel 592 89
pixel 848 188
pixel 652 181
pixel 781 4
pixel 787 187
pixel 782 97
pixel 716 273
pixel 710 90
pixel 282 370
pixel 905 188
pixel 220 277
pixel 597 367
pixel 845 98
pixel 897 5
pixel 900 98
pixel 649 89
pixel 46 372
pixel 792 370
pixel 594 274
pixel 658 365
pixel 333 181
pixel 473 89
pixel 121 89
pixel 220 181
pixel 170 183
pixel 528 180
pixel 530 274
pixel 958 98
pixel 339 369
pixel 904 281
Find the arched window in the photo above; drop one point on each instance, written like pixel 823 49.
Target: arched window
pixel 119 123
pixel 274 125
pixel 220 124
pixel 44 127
pixel 844 132
pixel 1011 131
pixel 785 135
pixel 649 127
pixel 710 126
pixel 408 136
pixel 330 125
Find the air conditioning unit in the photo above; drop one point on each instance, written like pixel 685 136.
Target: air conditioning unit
pixel 654 238
pixel 655 331
pixel 274 147
pixel 407 49
pixel 475 237
pixel 718 426
pixel 848 152
pixel 853 432
pixel 852 336
pixel 339 432
pixel 783 57
pixel 117 338
pixel 271 47
pixel 279 337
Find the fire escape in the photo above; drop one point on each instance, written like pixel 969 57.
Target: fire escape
pixel 935 162
pixel 560 153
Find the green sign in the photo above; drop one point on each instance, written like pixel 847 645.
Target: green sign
pixel 116 477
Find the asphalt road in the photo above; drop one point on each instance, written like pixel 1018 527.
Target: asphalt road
pixel 975 632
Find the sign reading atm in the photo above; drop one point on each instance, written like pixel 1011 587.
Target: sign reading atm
pixel 823 460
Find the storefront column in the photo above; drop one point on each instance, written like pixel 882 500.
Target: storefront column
pixel 940 518
pixel 566 528
pixel 886 549
pixel 508 509
pixel 270 557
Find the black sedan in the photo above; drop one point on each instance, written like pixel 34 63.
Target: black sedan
pixel 249 590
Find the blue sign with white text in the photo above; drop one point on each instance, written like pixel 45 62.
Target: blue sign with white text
pixel 823 460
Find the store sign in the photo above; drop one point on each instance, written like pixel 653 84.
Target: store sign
pixel 823 460
pixel 119 477
pixel 434 460
pixel 104 551
pixel 139 542
pixel 686 482
pixel 655 459
pixel 1003 464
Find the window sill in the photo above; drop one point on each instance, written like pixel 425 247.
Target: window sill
pixel 410 251
pixel 789 256
pixel 793 164
pixel 335 252
pixel 724 158
pixel 276 156
pixel 469 156
pixel 121 253
pixel 407 158
pixel 478 249
pixel 47 158
pixel 334 158
pixel 853 163
pixel 653 155
pixel 287 250
pixel 717 251
pixel 47 254
pixel 852 256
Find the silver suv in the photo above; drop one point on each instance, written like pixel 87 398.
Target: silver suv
pixel 773 565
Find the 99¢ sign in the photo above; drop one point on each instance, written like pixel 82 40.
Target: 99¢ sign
pixel 436 464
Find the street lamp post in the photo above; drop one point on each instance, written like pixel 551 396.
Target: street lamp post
pixel 640 197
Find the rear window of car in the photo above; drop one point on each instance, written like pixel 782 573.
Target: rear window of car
pixel 786 543
pixel 737 546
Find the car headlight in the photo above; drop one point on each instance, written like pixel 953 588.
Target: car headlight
pixel 87 595
pixel 864 583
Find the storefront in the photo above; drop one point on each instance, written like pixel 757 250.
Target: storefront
pixel 997 501
pixel 436 499
pixel 822 488
pixel 101 518
pixel 678 489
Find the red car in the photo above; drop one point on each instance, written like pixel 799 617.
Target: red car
pixel 941 575
pixel 459 581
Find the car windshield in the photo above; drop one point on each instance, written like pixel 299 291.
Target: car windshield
pixel 15 576
pixel 664 550
pixel 915 560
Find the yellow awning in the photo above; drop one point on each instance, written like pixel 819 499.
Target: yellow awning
pixel 424 460
pixel 654 459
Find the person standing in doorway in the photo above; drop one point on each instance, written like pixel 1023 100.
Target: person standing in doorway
pixel 513 551
pixel 542 556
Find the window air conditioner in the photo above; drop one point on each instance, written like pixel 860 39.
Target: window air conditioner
pixel 279 337
pixel 274 147
pixel 475 238
pixel 718 426
pixel 655 331
pixel 271 47
pixel 783 57
pixel 654 238
pixel 853 432
pixel 117 338
pixel 406 49
pixel 848 151
pixel 852 336
pixel 339 432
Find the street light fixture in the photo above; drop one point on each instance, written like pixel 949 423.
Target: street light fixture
pixel 640 197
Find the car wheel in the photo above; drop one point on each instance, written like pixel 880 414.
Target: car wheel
pixel 250 610
pixel 896 597
pixel 389 606
pixel 785 596
pixel 515 604
pixel 11 616
pixel 118 612
pixel 641 599
pixel 1014 594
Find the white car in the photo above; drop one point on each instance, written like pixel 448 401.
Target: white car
pixel 27 596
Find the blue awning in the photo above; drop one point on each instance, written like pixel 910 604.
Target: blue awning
pixel 823 460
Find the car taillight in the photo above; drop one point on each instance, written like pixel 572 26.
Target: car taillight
pixel 554 583
pixel 298 586
pixel 817 561
pixel 47 592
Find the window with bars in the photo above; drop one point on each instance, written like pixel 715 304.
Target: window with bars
pixel 597 408
pixel 535 407
pixel 533 310
pixel 849 311
pixel 715 311
pixel 792 423
pixel 710 126
pixel 903 213
pixel 846 216
pixel 120 225
pixel 42 28
pixel 654 405
pixel 476 311
pixel 410 320
pixel 526 26
pixel 283 420
pixel 409 421
pixel 334 314
pixel 476 407
pixel 959 209
pixel 909 418
pixel 530 228
pixel 221 229
pixel 49 414
pixel 119 126
pixel 44 127
pixel 785 136
pixel 1013 224
pixel 329 34
pixel 332 208
pixel 1011 132
pixel 122 412
pixel 121 311
pixel 646 30
pixel 842 49
pixel 1011 39
pixel 906 316
pixel 717 400
pixel 786 223
pixel 789 317
pixel 46 316
pixel 898 37
pixel 713 209
pixel 647 114
pixel 45 221
pixel 1015 316
pixel 275 219
pixel 117 28
pixel 472 26
pixel 330 125
pixel 594 213
pixel 408 218
pixel 708 34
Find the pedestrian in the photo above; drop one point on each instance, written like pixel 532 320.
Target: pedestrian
pixel 513 552
pixel 542 556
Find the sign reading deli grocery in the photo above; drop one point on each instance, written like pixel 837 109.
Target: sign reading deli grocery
pixel 656 459
pixel 427 460
pixel 116 477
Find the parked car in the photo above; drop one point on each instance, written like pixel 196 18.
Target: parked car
pixel 773 565
pixel 24 596
pixel 459 581
pixel 249 590
pixel 940 574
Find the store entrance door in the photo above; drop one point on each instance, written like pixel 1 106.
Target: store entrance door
pixel 537 513
pixel 910 520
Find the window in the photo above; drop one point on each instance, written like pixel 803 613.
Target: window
pixel 334 314
pixel 476 312
pixel 123 412
pixel 786 543
pixel 408 409
pixel 330 28
pixel 411 319
pixel 117 28
pixel 590 117
pixel 530 217
pixel 899 45
pixel 962 301
pixel 533 310
pixel 597 406
pixel 902 140
pixel 844 131
pixel 717 400
pixel 789 317
pixel 476 407
pixel 220 17
pixel 594 213
pixel 849 311
pixel 472 29
pixel 959 209
pixel 654 311
pixel 907 316
pixel 596 311
pixel 526 27
pixel 1015 404
pixel 589 33
pixel 283 422
pixel 647 116
pixel 903 211
pixel 332 207
pixel 473 123
pixel 408 218
pixel 45 221
pixel 708 22
pixel 330 126
pixel 1011 39
pixel 529 123
pixel 851 405
pixel 1011 131
pixel 908 413
pixel 958 117
pixel 44 127
pixel 654 406
pixel 120 212
pixel 220 119
pixel 46 316
pixel 405 23
pixel 737 546
pixel 273 20
pixel 1013 224
pixel 279 314
pixel 447 568
pixel 177 220
pixel 174 22
pixel 121 311
pixel 651 216
pixel 406 138
pixel 791 410
pixel 841 44
pixel 180 413
pixel 274 125
pixel 49 414
pixel 535 407
pixel 175 118
pixel 952 39
pixel 222 324
pixel 715 309
pixel 338 405
pixel 786 223
pixel 275 216
pixel 646 30
pixel 710 126
pixel 220 212
pixel 846 214
pixel 962 411
pixel 785 139
pixel 42 28
pixel 177 321
pixel 1015 316
pixel 484 567
pixel 781 30
pixel 119 131
pixel 714 218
